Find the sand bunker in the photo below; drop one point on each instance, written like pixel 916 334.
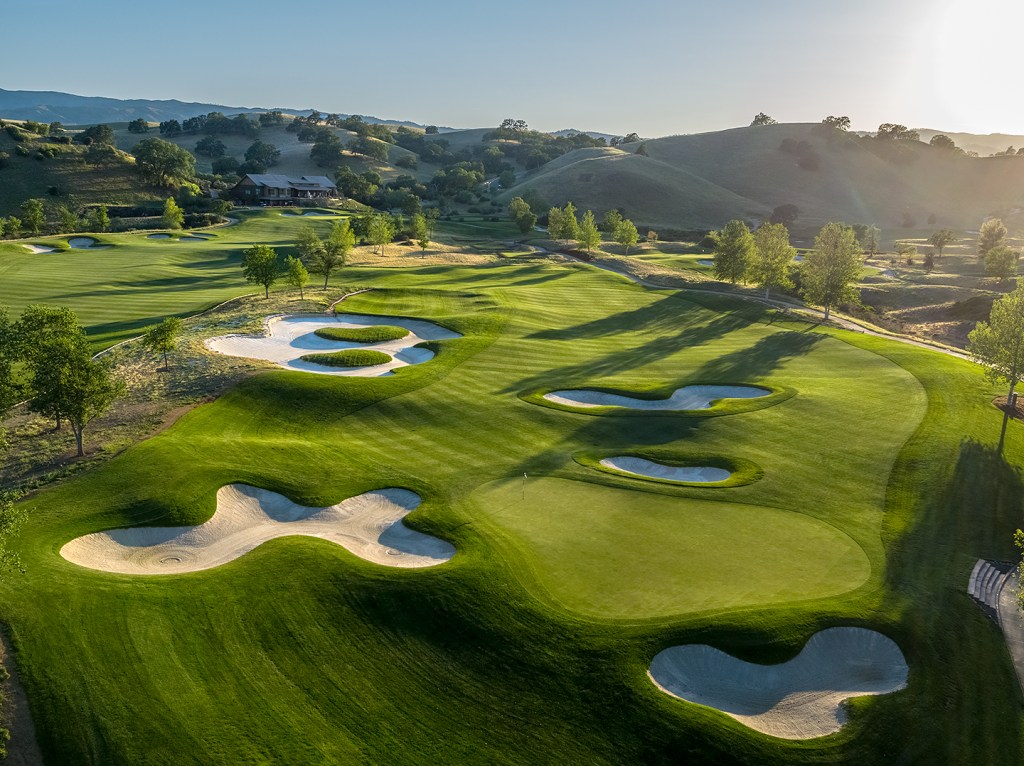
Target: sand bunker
pixel 190 238
pixel 369 525
pixel 38 249
pixel 638 466
pixel 799 699
pixel 706 262
pixel 288 338
pixel 158 236
pixel 686 398
pixel 81 243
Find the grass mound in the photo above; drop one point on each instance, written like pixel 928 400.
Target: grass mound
pixel 350 357
pixel 377 334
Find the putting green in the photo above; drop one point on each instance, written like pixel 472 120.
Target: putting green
pixel 616 554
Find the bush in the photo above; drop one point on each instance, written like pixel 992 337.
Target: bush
pixel 351 357
pixel 16 133
pixel 22 151
pixel 377 334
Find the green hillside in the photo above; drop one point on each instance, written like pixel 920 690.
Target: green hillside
pixel 72 177
pixel 653 192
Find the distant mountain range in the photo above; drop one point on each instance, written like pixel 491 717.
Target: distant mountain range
pixel 50 106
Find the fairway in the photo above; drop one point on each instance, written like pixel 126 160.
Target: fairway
pixel 531 645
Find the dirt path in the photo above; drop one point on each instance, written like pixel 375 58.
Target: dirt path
pixel 22 749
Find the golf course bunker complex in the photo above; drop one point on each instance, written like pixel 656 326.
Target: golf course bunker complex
pixel 84 243
pixel 686 398
pixel 799 699
pixel 39 249
pixel 638 466
pixel 287 339
pixel 368 525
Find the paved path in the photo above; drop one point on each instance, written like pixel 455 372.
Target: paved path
pixel 996 590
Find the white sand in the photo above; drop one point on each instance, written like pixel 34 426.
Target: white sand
pixel 369 525
pixel 158 236
pixel 638 466
pixel 37 249
pixel 706 262
pixel 288 338
pixel 81 243
pixel 799 699
pixel 686 398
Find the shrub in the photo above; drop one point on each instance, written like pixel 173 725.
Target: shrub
pixel 351 357
pixel 377 334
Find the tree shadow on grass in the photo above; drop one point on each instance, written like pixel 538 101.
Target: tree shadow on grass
pixel 760 359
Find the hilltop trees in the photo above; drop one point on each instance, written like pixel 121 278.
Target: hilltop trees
pixel 839 123
pixel 762 119
pixel 992 234
pixel 260 267
pixel 138 126
pixel 163 338
pixel 940 239
pixel 998 344
pixel 771 257
pixel 261 155
pixel 163 163
pixel 734 249
pixel 833 265
pixel 889 131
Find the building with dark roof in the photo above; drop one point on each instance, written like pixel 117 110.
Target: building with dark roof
pixel 274 189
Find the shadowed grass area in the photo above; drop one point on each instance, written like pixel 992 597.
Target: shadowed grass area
pixel 532 644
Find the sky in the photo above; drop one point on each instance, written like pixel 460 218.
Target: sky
pixel 656 67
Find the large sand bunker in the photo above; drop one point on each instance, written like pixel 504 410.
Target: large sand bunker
pixel 39 249
pixel 369 525
pixel 288 338
pixel 639 466
pixel 686 398
pixel 799 699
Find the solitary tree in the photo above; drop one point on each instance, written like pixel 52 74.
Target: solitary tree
pixel 138 126
pixel 87 392
pixel 998 344
pixel 831 268
pixel 771 258
pixel 626 234
pixel 39 328
pixel 296 274
pixel 522 215
pixel 940 239
pixel 992 234
pixel 762 119
pixel 99 220
pixel 1001 262
pixel 174 216
pixel 421 232
pixel 588 237
pixel 163 163
pixel 336 249
pixel 734 249
pixel 260 267
pixel 32 216
pixel 163 338
pixel 380 232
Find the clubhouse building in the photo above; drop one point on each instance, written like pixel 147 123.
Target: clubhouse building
pixel 272 189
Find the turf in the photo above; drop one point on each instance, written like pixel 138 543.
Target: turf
pixel 375 334
pixel 350 357
pixel 880 488
pixel 118 292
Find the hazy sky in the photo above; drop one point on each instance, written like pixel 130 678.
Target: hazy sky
pixel 656 67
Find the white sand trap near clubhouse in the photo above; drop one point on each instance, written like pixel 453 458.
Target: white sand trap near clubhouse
pixel 38 249
pixel 638 466
pixel 288 338
pixel 369 525
pixel 686 398
pixel 799 699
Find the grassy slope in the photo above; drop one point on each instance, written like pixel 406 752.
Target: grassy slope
pixel 469 662
pixel 648 190
pixel 79 183
pixel 294 154
pixel 138 281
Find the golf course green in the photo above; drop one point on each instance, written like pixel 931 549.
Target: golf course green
pixel 870 487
